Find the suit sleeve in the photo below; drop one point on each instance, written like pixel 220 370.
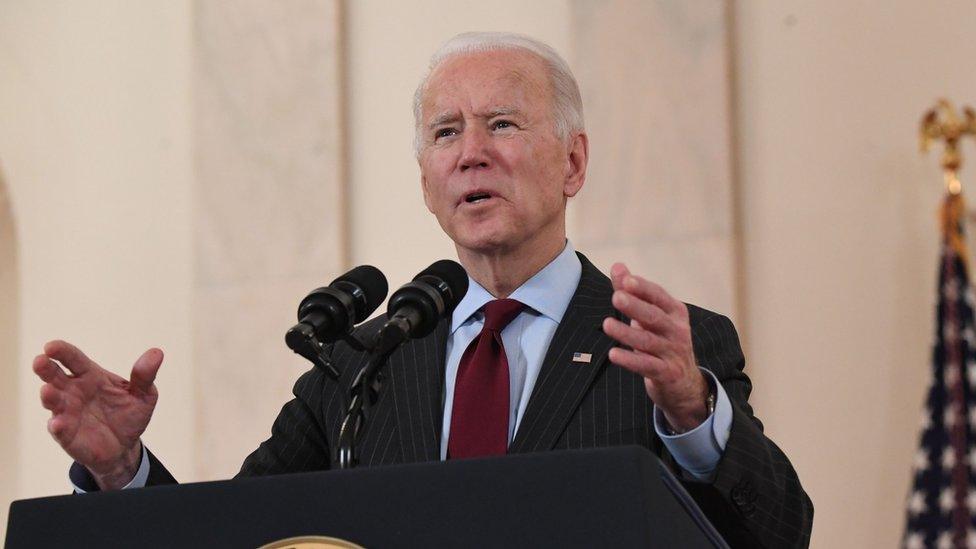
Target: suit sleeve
pixel 157 475
pixel 298 439
pixel 755 499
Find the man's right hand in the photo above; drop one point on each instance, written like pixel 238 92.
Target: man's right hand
pixel 97 416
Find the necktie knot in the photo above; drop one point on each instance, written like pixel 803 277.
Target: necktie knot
pixel 500 312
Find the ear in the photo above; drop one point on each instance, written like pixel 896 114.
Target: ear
pixel 423 187
pixel 578 155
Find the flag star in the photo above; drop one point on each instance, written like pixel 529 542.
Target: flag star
pixel 971 539
pixel 949 334
pixel 944 541
pixel 971 374
pixel 950 417
pixel 972 458
pixel 950 289
pixel 921 461
pixel 948 458
pixel 946 501
pixel 971 501
pixel 916 503
pixel 969 336
pixel 972 416
pixel 950 375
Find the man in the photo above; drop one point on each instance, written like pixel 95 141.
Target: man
pixel 501 147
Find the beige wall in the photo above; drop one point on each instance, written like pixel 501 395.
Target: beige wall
pixel 9 344
pixel 835 208
pixel 94 145
pixel 659 181
pixel 838 215
pixel 267 208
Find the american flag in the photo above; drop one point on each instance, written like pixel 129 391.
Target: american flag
pixel 942 502
pixel 582 357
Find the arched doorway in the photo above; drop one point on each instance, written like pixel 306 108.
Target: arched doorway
pixel 9 347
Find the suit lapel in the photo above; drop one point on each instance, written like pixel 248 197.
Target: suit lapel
pixel 416 375
pixel 563 383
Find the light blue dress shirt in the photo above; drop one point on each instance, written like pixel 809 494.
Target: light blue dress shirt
pixel 138 481
pixel 546 296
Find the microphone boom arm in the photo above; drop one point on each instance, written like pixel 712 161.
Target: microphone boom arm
pixel 301 339
pixel 365 389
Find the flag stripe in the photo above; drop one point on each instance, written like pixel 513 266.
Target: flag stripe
pixel 941 503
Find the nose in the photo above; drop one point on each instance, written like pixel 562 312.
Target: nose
pixel 475 149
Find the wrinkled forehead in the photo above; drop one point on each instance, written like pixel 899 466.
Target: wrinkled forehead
pixel 483 80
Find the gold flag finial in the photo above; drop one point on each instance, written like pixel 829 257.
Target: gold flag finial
pixel 943 123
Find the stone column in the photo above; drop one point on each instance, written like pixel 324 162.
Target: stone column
pixel 268 207
pixel 659 192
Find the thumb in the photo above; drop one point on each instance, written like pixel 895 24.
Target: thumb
pixel 145 369
pixel 617 273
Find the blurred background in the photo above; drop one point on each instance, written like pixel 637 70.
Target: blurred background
pixel 181 173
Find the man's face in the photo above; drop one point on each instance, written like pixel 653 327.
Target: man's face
pixel 492 169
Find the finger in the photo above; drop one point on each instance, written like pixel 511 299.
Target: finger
pixel 49 371
pixel 644 365
pixel 635 338
pixel 653 293
pixel 58 426
pixel 69 355
pixel 644 314
pixel 617 273
pixel 145 369
pixel 52 398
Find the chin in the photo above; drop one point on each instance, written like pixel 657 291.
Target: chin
pixel 484 241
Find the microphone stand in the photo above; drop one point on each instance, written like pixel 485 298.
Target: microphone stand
pixel 365 389
pixel 302 340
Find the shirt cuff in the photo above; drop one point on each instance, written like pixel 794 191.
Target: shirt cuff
pixel 698 451
pixel 138 481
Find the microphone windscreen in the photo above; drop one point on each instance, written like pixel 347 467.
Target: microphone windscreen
pixel 373 284
pixel 453 275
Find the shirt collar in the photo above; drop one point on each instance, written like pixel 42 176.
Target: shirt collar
pixel 548 292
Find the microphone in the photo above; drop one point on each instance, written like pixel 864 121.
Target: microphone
pixel 328 314
pixel 414 311
pixel 416 307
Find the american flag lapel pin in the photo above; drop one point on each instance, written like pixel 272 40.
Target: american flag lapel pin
pixel 582 357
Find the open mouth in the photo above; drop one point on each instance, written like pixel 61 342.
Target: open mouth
pixel 477 197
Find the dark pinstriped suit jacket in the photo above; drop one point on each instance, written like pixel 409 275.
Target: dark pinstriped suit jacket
pixel 755 499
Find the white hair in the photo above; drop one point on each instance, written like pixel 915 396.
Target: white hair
pixel 567 105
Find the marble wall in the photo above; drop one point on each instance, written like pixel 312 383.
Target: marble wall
pixel 124 124
pixel 9 345
pixel 95 153
pixel 268 207
pixel 659 193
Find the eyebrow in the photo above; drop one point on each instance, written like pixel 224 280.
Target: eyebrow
pixel 503 111
pixel 443 118
pixel 447 117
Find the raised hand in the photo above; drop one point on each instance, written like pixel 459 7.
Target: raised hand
pixel 97 416
pixel 660 348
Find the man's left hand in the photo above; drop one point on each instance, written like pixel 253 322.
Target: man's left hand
pixel 660 349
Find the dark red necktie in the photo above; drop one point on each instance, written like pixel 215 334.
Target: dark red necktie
pixel 479 419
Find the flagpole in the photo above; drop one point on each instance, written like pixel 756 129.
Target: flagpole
pixel 942 503
pixel 942 123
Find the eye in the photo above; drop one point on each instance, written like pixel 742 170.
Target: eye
pixel 444 132
pixel 502 124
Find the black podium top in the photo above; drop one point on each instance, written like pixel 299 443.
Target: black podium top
pixel 610 497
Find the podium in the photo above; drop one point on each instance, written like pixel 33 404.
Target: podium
pixel 608 497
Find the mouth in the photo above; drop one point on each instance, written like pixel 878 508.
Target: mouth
pixel 477 197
